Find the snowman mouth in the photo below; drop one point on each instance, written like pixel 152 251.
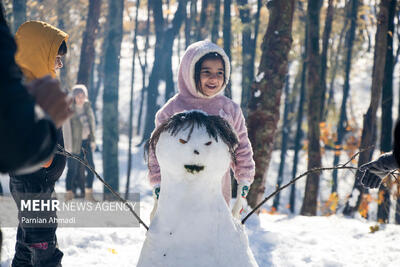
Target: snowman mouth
pixel 194 168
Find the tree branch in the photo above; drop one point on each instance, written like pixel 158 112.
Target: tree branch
pixel 341 166
pixel 65 153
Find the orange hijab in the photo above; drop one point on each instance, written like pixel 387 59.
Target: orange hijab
pixel 37 47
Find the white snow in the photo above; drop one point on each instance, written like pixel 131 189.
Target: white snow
pixel 259 77
pixel 354 197
pixel 283 240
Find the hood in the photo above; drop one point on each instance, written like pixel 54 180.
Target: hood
pixel 38 43
pixel 186 83
pixel 79 87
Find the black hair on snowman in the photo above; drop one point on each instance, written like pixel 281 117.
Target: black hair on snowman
pixel 214 125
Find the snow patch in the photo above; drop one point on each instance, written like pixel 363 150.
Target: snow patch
pixel 354 197
pixel 259 77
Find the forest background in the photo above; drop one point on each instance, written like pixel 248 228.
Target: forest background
pixel 315 79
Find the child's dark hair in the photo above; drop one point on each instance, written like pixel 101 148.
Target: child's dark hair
pixel 197 68
pixel 214 125
pixel 63 49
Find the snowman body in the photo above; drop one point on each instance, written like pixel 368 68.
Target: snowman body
pixel 193 225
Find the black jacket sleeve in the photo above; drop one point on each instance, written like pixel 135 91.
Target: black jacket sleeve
pixel 55 170
pixel 45 176
pixel 25 140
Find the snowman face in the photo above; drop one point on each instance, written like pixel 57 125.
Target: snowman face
pixel 199 155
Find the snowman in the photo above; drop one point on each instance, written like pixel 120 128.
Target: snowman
pixel 193 225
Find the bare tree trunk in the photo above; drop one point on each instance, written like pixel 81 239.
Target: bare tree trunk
pixel 94 91
pixel 162 52
pixel 324 53
pixel 247 74
pixel 299 131
pixel 255 36
pixel 202 26
pixel 144 70
pixel 396 57
pixel 309 206
pixel 334 70
pixel 110 96
pixel 64 72
pixel 342 124
pixel 188 25
pixel 130 119
pixel 397 216
pixel 19 12
pixel 215 25
pixel 193 22
pixel 101 37
pixel 264 105
pixel 248 49
pixel 152 87
pixel 87 48
pixel 285 136
pixel 369 123
pixel 227 36
pixel 386 119
pixel 227 33
pixel 169 76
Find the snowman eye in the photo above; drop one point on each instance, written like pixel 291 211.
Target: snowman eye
pixel 208 143
pixel 182 141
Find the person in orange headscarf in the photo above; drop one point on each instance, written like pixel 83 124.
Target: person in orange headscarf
pixel 40 48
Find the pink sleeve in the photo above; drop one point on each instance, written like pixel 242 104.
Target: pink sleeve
pixel 154 169
pixel 244 168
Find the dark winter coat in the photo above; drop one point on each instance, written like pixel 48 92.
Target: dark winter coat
pixel 25 138
pixel 45 177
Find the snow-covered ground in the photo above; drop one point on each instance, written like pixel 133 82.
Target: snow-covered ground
pixel 276 239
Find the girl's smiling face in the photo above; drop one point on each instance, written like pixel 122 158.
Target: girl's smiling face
pixel 212 76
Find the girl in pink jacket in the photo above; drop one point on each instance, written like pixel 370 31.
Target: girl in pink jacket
pixel 203 74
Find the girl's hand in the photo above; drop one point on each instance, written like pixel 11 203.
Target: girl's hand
pixel 156 194
pixel 242 191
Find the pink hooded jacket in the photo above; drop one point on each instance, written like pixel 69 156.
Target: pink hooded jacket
pixel 189 98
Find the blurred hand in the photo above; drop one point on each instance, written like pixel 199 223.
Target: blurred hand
pixel 374 171
pixel 93 146
pixel 51 99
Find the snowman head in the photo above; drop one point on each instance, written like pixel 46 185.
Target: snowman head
pixel 193 143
